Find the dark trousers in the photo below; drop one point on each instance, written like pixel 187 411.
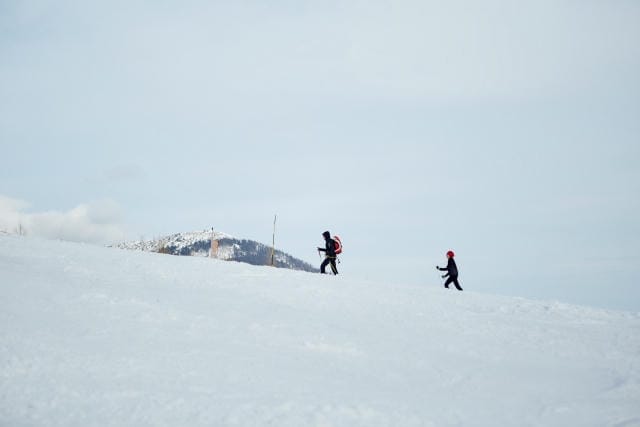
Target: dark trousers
pixel 327 261
pixel 454 280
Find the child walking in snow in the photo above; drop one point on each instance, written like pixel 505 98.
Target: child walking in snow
pixel 452 271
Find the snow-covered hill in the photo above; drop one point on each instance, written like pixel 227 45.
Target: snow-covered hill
pixel 93 336
pixel 198 243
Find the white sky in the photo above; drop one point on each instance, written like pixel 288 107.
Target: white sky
pixel 507 131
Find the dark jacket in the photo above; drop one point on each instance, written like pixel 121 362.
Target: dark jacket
pixel 451 268
pixel 329 247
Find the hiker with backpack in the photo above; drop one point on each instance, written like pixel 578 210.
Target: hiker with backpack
pixel 452 271
pixel 332 247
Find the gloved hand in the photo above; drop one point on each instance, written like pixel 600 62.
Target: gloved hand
pixel 437 268
pixel 444 276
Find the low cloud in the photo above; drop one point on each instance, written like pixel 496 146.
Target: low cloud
pixel 95 222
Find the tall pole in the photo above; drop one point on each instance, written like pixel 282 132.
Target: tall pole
pixel 273 243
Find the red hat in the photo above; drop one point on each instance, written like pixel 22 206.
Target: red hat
pixel 451 254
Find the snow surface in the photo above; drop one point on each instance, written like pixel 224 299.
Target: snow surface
pixel 93 336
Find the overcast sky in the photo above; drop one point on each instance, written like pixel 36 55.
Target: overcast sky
pixel 506 131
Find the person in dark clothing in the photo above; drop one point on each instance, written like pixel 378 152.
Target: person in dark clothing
pixel 452 271
pixel 329 252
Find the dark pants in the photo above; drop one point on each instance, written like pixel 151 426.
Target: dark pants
pixel 327 261
pixel 454 280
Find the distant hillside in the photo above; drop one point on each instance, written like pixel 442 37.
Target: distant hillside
pixel 229 249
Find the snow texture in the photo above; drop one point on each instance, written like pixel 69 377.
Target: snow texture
pixel 93 336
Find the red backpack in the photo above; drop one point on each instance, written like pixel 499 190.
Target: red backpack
pixel 338 244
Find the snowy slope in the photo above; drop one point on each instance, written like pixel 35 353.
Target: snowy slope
pixel 198 243
pixel 94 336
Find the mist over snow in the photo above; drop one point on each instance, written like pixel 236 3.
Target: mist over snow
pixel 94 336
pixel 96 222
